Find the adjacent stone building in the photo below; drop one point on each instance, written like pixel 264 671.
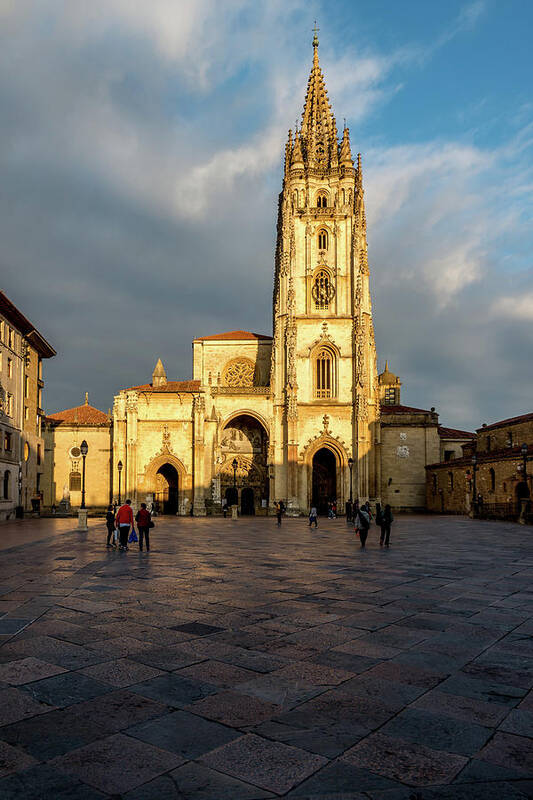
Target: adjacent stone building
pixel 499 467
pixel 22 350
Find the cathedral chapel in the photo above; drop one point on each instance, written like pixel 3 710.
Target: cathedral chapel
pixel 301 416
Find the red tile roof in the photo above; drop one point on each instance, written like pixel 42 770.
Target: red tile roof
pixel 511 421
pixel 81 415
pixel 385 409
pixel 170 386
pixel 454 433
pixel 233 335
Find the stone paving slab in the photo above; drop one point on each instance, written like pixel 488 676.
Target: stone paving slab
pixel 236 660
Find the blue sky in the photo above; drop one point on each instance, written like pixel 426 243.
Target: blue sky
pixel 140 161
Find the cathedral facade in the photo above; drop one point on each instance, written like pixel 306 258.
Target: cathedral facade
pixel 294 416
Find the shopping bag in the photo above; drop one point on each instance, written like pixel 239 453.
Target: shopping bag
pixel 133 536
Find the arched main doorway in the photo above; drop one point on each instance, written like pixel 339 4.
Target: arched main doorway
pixel 324 479
pixel 167 489
pixel 245 441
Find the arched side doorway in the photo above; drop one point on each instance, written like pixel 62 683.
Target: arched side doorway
pixel 244 440
pixel 324 482
pixel 167 489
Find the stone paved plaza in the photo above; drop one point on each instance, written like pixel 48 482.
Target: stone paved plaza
pixel 237 661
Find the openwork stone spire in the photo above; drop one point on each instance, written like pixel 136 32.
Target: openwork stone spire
pixel 319 131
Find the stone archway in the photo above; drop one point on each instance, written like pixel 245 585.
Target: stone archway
pixel 244 439
pixel 167 489
pixel 324 479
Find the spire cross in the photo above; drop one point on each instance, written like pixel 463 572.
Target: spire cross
pixel 315 37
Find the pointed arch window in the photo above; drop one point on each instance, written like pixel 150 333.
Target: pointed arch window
pixel 322 240
pixel 322 291
pixel 325 373
pixel 322 200
pixel 75 481
pixel 492 476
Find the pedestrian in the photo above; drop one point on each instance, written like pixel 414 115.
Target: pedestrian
pixel 330 510
pixel 388 519
pixel 278 512
pixel 282 506
pixel 143 518
pixel 313 517
pixel 363 524
pixel 380 522
pixel 225 506
pixel 110 525
pixel 124 521
pixel 334 509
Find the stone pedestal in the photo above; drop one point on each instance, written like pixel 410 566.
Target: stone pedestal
pixel 235 512
pixel 82 519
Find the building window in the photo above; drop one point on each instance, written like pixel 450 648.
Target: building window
pixel 322 200
pixel 26 386
pixel 322 290
pixel 325 373
pixel 9 405
pixel 448 455
pixel 492 476
pixel 7 484
pixel 390 396
pixel 10 338
pixel 322 240
pixel 38 453
pixel 8 442
pixel 9 367
pixel 26 451
pixel 450 481
pixel 75 482
pixel 488 443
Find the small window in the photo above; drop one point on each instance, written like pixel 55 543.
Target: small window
pixel 390 396
pixel 26 386
pixel 450 481
pixel 9 368
pixel 325 373
pixel 75 482
pixel 492 477
pixel 7 484
pixel 322 240
pixel 38 453
pixel 448 455
pixel 322 200
pixel 7 441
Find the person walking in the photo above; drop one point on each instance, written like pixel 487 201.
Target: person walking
pixel 124 521
pixel 313 517
pixel 110 525
pixel 388 519
pixel 363 524
pixel 225 506
pixel 279 513
pixel 143 518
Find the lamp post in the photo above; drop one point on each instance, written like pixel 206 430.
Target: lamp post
pixel 474 489
pixel 82 513
pixel 119 467
pixel 349 513
pixel 235 503
pixel 84 447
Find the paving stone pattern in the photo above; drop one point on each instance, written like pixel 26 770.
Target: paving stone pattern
pixel 239 661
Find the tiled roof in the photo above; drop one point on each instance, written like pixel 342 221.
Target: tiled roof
pixel 485 456
pixel 82 415
pixel 233 335
pixel 385 409
pixel 453 433
pixel 170 386
pixel 511 421
pixel 25 327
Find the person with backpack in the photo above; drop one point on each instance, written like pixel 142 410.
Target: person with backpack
pixel 313 517
pixel 387 520
pixel 124 521
pixel 144 522
pixel 362 525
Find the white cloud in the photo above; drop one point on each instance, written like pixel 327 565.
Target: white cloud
pixel 514 307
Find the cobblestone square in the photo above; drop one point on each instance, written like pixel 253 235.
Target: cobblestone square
pixel 238 660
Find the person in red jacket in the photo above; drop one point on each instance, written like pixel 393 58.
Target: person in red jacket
pixel 143 520
pixel 124 520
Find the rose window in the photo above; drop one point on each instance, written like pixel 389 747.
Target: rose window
pixel 240 373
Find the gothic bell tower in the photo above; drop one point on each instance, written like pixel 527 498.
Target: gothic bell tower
pixel 324 376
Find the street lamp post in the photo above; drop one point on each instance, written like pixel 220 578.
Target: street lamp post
pixel 474 488
pixel 235 503
pixel 119 467
pixel 82 513
pixel 349 514
pixel 84 447
pixel 524 498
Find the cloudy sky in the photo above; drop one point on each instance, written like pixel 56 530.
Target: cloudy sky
pixel 140 161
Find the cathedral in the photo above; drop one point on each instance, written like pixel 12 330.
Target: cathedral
pixel 300 416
